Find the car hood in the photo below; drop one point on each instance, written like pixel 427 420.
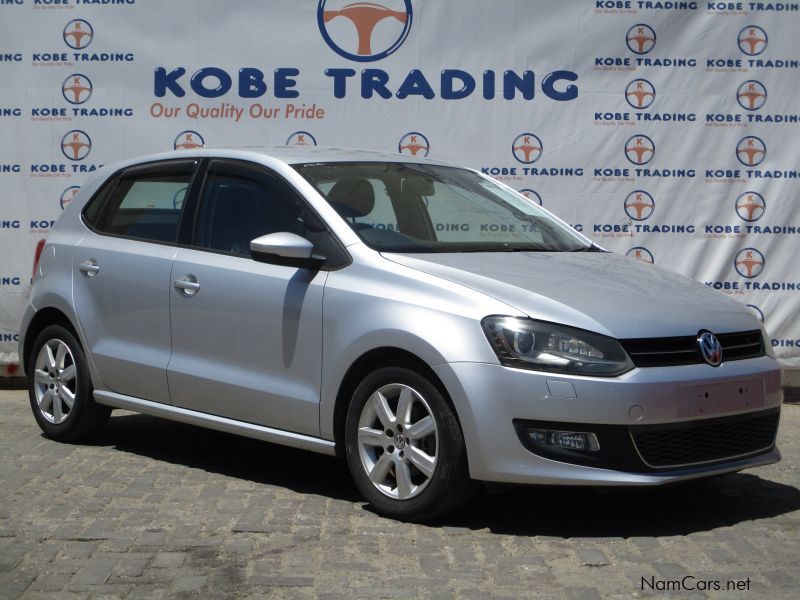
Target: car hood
pixel 599 291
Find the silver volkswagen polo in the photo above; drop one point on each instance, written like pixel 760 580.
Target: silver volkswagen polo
pixel 422 320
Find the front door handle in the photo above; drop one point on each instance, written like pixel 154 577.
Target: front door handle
pixel 89 267
pixel 187 285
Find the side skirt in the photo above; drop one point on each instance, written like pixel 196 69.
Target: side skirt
pixel 192 417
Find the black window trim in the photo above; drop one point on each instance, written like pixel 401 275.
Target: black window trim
pixel 187 221
pixel 173 165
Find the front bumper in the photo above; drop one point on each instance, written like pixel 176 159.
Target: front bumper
pixel 489 399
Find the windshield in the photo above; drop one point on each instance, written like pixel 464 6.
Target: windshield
pixel 403 207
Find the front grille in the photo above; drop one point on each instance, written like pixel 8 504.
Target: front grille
pixel 710 440
pixel 673 351
pixel 738 346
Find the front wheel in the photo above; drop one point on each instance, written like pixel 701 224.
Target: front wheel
pixel 59 387
pixel 405 448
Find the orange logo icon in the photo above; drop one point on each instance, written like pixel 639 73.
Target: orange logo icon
pixel 78 34
pixel 527 148
pixel 640 149
pixel 364 17
pixel 641 39
pixel 749 262
pixel 414 143
pixel 76 145
pixel 188 140
pixel 752 40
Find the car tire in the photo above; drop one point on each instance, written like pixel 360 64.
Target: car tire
pixel 60 389
pixel 405 448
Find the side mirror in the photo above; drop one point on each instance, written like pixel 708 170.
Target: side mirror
pixel 285 248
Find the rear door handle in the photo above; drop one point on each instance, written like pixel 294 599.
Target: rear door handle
pixel 187 285
pixel 89 267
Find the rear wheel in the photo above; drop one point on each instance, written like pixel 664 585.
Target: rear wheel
pixel 59 387
pixel 405 448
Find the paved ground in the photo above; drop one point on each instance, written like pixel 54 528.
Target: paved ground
pixel 157 509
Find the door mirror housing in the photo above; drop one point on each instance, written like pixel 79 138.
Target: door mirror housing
pixel 285 248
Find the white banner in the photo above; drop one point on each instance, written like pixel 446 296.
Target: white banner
pixel 667 131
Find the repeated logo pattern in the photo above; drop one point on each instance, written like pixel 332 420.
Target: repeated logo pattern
pixel 383 74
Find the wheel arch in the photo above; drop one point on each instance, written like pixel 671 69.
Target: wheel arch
pixel 385 356
pixel 43 318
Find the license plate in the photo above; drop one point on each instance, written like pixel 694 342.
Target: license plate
pixel 716 398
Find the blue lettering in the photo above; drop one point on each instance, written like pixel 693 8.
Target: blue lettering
pixel 251 83
pixel 340 80
pixel 164 81
pixel 449 77
pixel 513 82
pixel 223 82
pixel 283 81
pixel 549 83
pixel 488 85
pixel 374 80
pixel 415 84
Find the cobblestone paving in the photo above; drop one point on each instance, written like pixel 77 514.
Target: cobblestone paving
pixel 156 509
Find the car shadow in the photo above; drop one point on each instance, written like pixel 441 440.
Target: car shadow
pixel 678 509
pixel 529 510
pixel 229 455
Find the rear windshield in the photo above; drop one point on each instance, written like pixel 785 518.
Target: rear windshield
pixel 403 207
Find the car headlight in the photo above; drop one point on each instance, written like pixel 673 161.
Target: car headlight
pixel 542 346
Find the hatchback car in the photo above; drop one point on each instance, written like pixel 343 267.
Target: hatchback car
pixel 428 323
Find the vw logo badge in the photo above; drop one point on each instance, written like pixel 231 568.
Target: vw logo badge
pixel 710 348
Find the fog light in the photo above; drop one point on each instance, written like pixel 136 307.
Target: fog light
pixel 569 440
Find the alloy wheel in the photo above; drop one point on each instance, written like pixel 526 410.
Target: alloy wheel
pixel 55 381
pixel 398 441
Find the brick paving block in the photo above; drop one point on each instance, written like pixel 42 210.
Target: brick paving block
pixel 781 578
pixel 456 530
pixel 591 557
pixel 719 555
pixel 189 583
pixel 149 591
pixel 151 537
pixel 669 570
pixel 168 560
pixel 133 564
pixel 281 581
pixel 583 593
pixel 48 582
pixel 95 573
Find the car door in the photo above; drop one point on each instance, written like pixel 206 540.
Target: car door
pixel 121 277
pixel 246 335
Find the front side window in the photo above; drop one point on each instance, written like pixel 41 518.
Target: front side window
pixel 141 206
pixel 234 210
pixel 364 203
pixel 404 207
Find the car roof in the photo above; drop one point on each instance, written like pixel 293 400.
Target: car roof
pixel 312 154
pixel 268 155
pixel 292 155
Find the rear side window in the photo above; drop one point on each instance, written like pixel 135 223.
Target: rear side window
pixel 145 206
